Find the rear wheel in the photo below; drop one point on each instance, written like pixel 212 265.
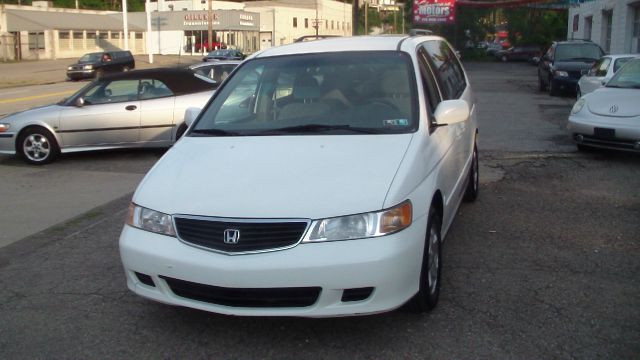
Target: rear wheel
pixel 553 88
pixel 37 146
pixel 473 184
pixel 429 291
pixel 125 68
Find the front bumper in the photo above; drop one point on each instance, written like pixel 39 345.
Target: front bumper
pixel 565 83
pixel 81 74
pixel 7 143
pixel 626 136
pixel 390 265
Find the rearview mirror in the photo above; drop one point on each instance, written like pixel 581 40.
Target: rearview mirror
pixel 451 112
pixel 80 102
pixel 190 115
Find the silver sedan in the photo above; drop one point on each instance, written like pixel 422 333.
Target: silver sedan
pixel 609 117
pixel 135 109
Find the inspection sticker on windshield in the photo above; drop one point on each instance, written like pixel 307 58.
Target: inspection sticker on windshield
pixel 396 122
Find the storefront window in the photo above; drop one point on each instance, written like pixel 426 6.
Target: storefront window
pixel 295 22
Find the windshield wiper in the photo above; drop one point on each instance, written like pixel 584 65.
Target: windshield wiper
pixel 316 128
pixel 580 59
pixel 214 132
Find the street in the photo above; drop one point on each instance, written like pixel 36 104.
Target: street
pixel 543 265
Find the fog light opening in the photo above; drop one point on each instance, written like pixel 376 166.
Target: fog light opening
pixel 356 294
pixel 145 279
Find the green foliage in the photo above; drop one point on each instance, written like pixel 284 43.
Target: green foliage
pixel 535 26
pixel 373 20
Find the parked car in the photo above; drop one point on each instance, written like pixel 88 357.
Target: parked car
pixel 518 53
pixel 224 54
pixel 320 180
pixel 142 108
pixel 564 63
pixel 95 65
pixel 601 72
pixel 493 47
pixel 609 117
pixel 217 71
pixel 206 46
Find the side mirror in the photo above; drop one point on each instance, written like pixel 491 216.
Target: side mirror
pixel 190 115
pixel 451 112
pixel 80 102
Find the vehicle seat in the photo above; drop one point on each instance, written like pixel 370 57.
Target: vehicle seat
pixel 395 90
pixel 306 95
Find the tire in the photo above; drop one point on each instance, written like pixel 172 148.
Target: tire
pixel 125 68
pixel 180 132
pixel 541 86
pixel 553 89
pixel 473 184
pixel 429 291
pixel 37 146
pixel 504 58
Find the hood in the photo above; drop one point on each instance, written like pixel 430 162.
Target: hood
pixel 614 102
pixel 37 114
pixel 274 176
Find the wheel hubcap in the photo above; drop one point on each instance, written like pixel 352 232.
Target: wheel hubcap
pixel 434 261
pixel 36 147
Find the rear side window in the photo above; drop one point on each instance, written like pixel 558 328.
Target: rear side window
pixel 619 62
pixel 448 69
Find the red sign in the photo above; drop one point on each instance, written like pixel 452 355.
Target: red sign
pixel 434 11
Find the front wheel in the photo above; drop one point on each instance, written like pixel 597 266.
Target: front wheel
pixel 37 146
pixel 553 88
pixel 429 291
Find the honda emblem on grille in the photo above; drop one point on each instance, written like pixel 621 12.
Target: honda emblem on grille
pixel 613 109
pixel 231 236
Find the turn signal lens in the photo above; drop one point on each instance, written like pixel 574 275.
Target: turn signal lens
pixel 396 219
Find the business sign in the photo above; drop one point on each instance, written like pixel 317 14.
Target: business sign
pixel 434 12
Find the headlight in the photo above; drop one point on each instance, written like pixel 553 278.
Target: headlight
pixel 561 73
pixel 70 68
pixel 360 226
pixel 4 127
pixel 88 67
pixel 578 106
pixel 150 220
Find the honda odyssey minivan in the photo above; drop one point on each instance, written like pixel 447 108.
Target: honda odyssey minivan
pixel 320 180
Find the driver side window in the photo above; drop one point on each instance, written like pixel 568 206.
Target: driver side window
pixel 112 92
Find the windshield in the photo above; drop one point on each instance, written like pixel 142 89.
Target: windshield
pixel 628 77
pixel 90 57
pixel 337 93
pixel 578 52
pixel 220 53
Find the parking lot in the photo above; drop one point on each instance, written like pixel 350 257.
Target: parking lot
pixel 543 265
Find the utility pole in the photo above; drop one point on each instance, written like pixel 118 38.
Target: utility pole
pixel 366 17
pixel 148 6
pixel 356 15
pixel 126 24
pixel 316 23
pixel 210 28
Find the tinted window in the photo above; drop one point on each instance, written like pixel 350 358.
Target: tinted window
pixel 619 62
pixel 335 93
pixel 577 52
pixel 448 69
pixel 112 92
pixel 151 89
pixel 432 95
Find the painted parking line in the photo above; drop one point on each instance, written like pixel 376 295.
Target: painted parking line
pixel 28 98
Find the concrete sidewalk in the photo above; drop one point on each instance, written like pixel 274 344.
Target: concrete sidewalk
pixel 53 71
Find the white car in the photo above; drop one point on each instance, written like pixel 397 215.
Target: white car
pixel 320 180
pixel 610 116
pixel 601 72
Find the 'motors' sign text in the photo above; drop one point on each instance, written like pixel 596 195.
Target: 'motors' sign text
pixel 434 11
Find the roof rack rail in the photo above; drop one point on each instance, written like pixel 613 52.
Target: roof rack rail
pixel 417 32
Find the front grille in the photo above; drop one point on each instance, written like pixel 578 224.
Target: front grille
pixel 610 143
pixel 251 236
pixel 245 297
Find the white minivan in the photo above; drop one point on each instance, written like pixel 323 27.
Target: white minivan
pixel 318 181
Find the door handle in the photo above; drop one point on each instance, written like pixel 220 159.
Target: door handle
pixel 131 107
